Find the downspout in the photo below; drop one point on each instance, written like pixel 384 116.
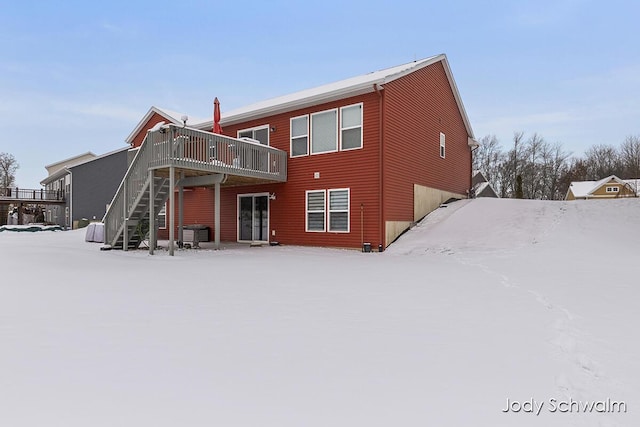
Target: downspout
pixel 383 243
pixel 471 177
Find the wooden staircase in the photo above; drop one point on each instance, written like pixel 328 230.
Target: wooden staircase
pixel 135 228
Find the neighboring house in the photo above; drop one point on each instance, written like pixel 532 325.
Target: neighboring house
pixel 59 181
pixel 481 186
pixel 354 161
pixel 610 187
pixel 89 183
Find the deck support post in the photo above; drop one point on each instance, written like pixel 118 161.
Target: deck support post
pixel 172 209
pixel 152 213
pixel 217 215
pixel 181 211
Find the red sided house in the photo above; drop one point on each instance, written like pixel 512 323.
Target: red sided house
pixel 352 162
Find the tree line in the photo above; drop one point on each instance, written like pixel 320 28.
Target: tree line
pixel 533 168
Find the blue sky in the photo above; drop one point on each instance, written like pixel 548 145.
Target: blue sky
pixel 77 76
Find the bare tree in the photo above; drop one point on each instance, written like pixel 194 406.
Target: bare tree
pixel 602 160
pixel 487 158
pixel 630 157
pixel 556 165
pixel 8 168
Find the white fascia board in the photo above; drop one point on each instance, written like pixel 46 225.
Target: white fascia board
pixel 70 159
pixel 456 94
pixel 254 112
pixel 57 175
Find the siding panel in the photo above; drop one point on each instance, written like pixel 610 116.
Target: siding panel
pixel 354 169
pixel 417 107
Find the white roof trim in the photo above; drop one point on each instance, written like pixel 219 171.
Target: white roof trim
pixel 56 175
pixel 338 90
pixel 167 114
pixel 102 156
pixel 70 159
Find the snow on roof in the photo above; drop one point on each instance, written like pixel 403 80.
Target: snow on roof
pixel 71 160
pixel 586 188
pixel 635 184
pixel 177 117
pixel 326 93
pixel 333 91
pixel 119 150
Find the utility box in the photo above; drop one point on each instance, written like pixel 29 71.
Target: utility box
pixel 195 233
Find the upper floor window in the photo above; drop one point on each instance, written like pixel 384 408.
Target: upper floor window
pixel 612 189
pixel 442 145
pixel 351 127
pixel 260 133
pixel 324 132
pixel 327 131
pixel 299 136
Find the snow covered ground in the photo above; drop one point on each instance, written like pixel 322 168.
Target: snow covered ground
pixel 486 302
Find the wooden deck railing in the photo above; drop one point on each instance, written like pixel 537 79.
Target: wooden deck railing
pixel 24 194
pixel 205 151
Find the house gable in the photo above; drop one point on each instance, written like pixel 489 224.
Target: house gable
pixel 606 188
pixel 417 110
pixel 154 116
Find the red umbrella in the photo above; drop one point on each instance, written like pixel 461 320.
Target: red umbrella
pixel 216 116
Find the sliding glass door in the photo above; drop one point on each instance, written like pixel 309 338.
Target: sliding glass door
pixel 253 218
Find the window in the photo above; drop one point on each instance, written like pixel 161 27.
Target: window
pixel 162 218
pixel 442 145
pixel 299 136
pixel 324 132
pixel 339 210
pixel 315 210
pixel 260 133
pixel 612 189
pixel 337 216
pixel 351 127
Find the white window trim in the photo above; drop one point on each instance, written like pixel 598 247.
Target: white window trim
pixel 329 211
pixel 612 189
pixel 163 208
pixel 257 128
pixel 352 127
pixel 238 197
pixel 307 135
pixel 306 211
pixel 311 153
pixel 443 146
